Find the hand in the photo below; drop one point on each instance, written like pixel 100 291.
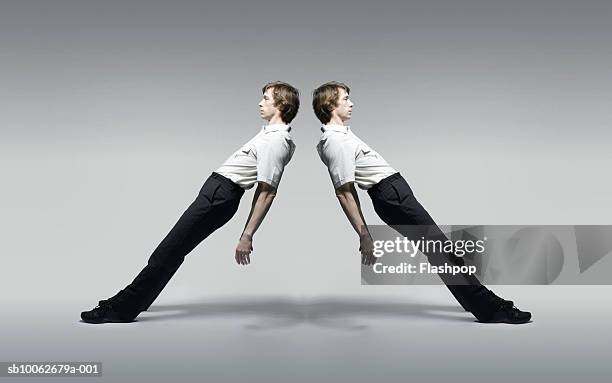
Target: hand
pixel 243 250
pixel 366 247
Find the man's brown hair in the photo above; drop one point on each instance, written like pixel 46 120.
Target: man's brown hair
pixel 325 99
pixel 286 99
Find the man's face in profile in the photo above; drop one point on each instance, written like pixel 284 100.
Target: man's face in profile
pixel 267 109
pixel 344 109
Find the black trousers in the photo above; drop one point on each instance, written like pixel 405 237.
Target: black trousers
pixel 396 205
pixel 215 205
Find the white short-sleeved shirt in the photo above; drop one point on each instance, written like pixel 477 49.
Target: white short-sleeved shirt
pixel 348 159
pixel 263 158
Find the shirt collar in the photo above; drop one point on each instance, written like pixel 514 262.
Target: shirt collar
pixel 335 128
pixel 276 127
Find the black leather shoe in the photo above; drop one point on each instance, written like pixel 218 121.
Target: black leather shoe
pixel 501 301
pixel 104 314
pixel 497 300
pixel 512 315
pixel 111 300
pixel 104 302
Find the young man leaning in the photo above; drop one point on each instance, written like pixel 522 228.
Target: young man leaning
pixel 260 161
pixel 349 160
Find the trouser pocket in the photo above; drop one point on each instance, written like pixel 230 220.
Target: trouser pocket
pixel 209 190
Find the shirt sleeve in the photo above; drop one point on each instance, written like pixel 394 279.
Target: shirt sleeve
pixel 340 155
pixel 272 159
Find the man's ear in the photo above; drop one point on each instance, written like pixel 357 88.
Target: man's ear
pixel 330 111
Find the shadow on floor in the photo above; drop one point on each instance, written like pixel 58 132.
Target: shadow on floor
pixel 277 312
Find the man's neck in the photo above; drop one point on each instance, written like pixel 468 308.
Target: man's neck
pixel 276 121
pixel 335 121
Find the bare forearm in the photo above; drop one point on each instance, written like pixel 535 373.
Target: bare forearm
pixel 356 197
pixel 255 198
pixel 349 200
pixel 352 210
pixel 262 200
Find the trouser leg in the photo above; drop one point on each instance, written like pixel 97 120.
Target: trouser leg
pixel 399 208
pixel 209 211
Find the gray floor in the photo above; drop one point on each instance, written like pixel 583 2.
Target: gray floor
pixel 374 336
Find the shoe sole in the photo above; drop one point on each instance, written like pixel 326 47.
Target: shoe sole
pixel 106 321
pixel 506 321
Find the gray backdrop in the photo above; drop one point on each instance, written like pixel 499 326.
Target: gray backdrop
pixel 112 115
